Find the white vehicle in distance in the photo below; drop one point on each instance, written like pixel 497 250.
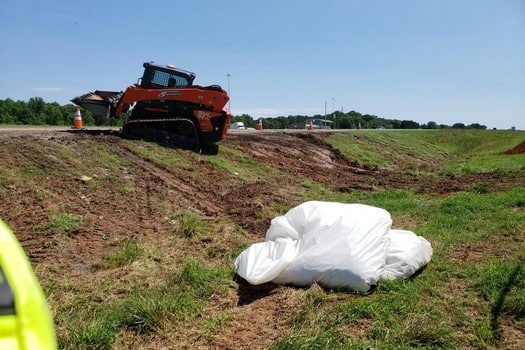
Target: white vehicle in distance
pixel 238 126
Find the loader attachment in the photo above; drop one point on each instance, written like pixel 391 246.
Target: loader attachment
pixel 100 103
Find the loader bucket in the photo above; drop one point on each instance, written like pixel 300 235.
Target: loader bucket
pixel 99 102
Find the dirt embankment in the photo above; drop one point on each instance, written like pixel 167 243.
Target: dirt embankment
pixel 119 210
pixel 519 149
pixel 303 156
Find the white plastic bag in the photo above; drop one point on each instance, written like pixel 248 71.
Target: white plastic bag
pixel 406 253
pixel 334 244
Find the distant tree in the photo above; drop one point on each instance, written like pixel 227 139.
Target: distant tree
pixel 36 107
pixel 246 119
pixel 458 126
pixel 431 125
pixel 409 124
pixel 281 122
pixel 272 123
pixel 396 124
pixel 37 112
pixel 346 122
pixel 52 114
pixel 7 113
pixel 68 114
pixel 476 126
pixel 369 121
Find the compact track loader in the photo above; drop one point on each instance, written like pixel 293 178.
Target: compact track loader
pixel 166 108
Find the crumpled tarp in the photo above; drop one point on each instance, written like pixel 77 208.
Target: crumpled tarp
pixel 337 245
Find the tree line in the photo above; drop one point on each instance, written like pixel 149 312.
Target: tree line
pixel 38 112
pixel 349 120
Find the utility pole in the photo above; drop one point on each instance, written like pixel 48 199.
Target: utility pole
pixel 333 110
pixel 343 111
pixel 230 97
pixel 325 98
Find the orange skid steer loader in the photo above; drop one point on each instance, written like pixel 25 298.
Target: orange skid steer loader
pixel 166 108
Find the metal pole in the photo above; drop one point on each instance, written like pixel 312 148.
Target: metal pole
pixel 229 101
pixel 325 99
pixel 343 111
pixel 333 110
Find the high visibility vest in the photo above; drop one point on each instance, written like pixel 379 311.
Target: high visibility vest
pixel 25 319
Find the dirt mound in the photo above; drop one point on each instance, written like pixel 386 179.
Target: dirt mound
pixel 131 195
pixel 519 149
pixel 308 156
pixel 300 156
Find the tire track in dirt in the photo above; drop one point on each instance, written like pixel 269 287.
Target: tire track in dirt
pixel 256 324
pixel 201 200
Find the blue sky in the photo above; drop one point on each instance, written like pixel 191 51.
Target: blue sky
pixel 443 61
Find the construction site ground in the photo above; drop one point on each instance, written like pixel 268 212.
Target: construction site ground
pixel 137 196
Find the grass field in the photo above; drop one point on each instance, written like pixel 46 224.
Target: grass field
pixel 178 289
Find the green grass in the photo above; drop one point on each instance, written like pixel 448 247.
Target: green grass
pixel 189 224
pixel 168 158
pixel 503 283
pixel 101 156
pixel 396 315
pixel 478 217
pixel 488 163
pixel 417 313
pixel 146 310
pixel 128 251
pixel 360 150
pixel 242 166
pixel 319 340
pixel 201 281
pixel 143 312
pixel 94 335
pixel 67 224
pixel 442 151
pixel 224 164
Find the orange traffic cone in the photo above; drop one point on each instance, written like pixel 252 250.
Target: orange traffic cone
pixel 259 124
pixel 77 124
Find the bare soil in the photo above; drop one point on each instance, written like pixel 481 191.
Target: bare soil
pixel 519 149
pixel 258 311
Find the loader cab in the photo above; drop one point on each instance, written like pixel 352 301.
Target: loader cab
pixel 162 77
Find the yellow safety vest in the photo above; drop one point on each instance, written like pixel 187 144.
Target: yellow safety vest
pixel 25 319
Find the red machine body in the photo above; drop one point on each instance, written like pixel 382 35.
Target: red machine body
pixel 166 106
